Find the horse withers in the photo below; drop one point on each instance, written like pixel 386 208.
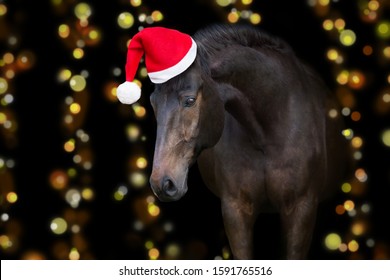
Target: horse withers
pixel 256 120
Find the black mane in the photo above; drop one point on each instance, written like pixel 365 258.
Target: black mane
pixel 218 37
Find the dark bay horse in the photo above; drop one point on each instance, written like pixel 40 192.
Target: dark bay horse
pixel 256 120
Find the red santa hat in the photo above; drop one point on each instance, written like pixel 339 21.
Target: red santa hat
pixel 167 52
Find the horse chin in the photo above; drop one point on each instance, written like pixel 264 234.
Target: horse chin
pixel 176 197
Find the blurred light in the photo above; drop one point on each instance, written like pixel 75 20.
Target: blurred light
pixel 353 246
pixel 10 163
pixel 154 254
pixel 136 3
pixel 78 53
pixel 64 75
pixel 84 137
pixel 346 111
pixel 328 24
pixel 25 60
pixel 356 80
pixel 8 99
pixel 149 244
pixel 3 118
pixel 168 227
pixel 125 20
pixel 72 172
pixel 346 187
pixel 94 34
pixel 8 58
pixel 349 205
pixel 356 116
pixel 70 145
pixel 367 50
pixel 332 113
pixel 383 29
pixel 3 9
pixel 12 197
pixel 87 194
pixel 340 210
pixel 332 54
pixel 255 18
pixel 63 30
pixel 137 179
pixel 4 217
pixel 58 225
pixel 357 142
pixel 118 196
pixel 133 132
pixel 157 16
pixel 141 162
pixel 385 137
pixel 5 242
pixel 332 241
pixel 120 193
pixel 77 83
pixel 150 199
pixel 339 24
pixel 139 110
pixel 75 108
pixel 366 208
pixel 342 77
pixel 361 175
pixel 58 179
pixel 75 228
pixel 386 52
pixel 233 16
pixel 373 5
pixel 347 37
pixel 73 197
pixel 323 2
pixel 153 209
pixel 246 2
pixel 173 251
pixel 138 225
pixel 3 85
pixel 225 253
pixel 223 3
pixel 82 11
pixel 343 247
pixel 348 133
pixel 370 243
pixel 357 228
pixel 357 155
pixel 74 254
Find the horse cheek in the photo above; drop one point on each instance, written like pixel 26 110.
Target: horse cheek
pixel 191 124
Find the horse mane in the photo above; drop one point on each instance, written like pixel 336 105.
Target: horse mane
pixel 218 37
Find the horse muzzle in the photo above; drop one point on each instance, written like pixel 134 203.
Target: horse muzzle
pixel 167 189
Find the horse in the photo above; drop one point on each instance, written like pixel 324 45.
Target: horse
pixel 256 120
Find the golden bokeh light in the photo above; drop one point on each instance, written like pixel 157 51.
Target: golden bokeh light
pixel 77 83
pixel 125 20
pixel 332 241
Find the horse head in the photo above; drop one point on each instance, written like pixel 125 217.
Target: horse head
pixel 190 118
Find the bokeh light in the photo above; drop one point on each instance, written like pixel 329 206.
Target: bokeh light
pixel 347 37
pixel 58 225
pixel 332 241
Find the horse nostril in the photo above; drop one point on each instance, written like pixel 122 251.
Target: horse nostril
pixel 169 187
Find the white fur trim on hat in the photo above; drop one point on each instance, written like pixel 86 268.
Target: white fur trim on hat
pixel 162 76
pixel 128 92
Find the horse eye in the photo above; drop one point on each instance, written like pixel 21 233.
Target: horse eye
pixel 189 102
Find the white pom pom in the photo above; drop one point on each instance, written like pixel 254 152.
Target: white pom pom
pixel 128 92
